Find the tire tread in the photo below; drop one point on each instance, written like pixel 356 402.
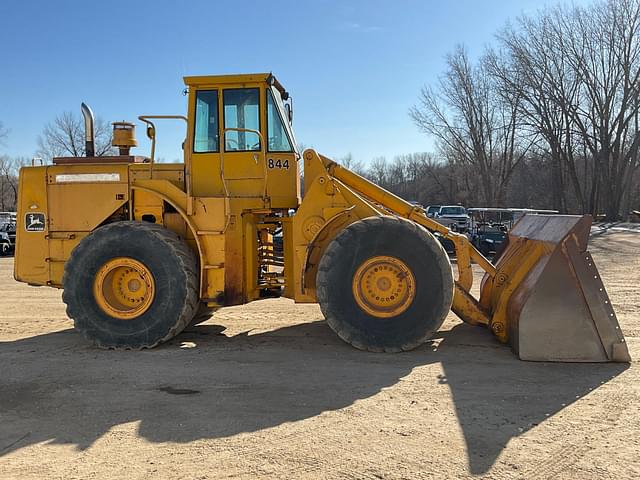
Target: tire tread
pixel 339 248
pixel 175 245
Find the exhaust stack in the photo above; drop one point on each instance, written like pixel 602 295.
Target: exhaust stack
pixel 88 130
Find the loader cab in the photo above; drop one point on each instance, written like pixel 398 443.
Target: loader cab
pixel 240 141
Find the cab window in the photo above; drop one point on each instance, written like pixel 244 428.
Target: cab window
pixel 206 124
pixel 278 140
pixel 241 110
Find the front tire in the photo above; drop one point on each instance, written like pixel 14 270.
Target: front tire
pixel 385 284
pixel 131 285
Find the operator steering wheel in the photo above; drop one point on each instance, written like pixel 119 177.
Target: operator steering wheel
pixel 228 145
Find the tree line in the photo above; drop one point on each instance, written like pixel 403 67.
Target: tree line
pixel 547 117
pixel 427 179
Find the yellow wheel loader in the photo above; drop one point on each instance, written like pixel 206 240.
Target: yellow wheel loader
pixel 142 248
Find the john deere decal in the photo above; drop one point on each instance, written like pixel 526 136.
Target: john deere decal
pixel 34 222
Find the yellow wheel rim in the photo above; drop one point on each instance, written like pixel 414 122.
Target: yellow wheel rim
pixel 384 286
pixel 124 288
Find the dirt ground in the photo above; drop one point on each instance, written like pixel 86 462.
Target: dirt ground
pixel 268 391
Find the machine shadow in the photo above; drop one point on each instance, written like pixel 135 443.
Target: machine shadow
pixel 54 388
pixel 504 397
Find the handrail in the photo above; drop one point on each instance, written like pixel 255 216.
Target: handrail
pixel 262 151
pixel 151 134
pixel 407 210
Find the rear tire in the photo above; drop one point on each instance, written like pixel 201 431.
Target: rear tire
pixel 171 293
pixel 412 260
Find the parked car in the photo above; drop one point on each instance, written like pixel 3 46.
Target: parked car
pixel 432 210
pixel 7 232
pixel 454 217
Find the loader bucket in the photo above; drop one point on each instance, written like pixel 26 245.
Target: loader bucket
pixel 547 298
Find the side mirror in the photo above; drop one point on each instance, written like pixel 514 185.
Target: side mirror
pixel 288 107
pixel 151 132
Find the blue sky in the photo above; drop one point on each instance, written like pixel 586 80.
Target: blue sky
pixel 354 68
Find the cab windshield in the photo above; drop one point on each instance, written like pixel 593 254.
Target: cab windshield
pixel 280 134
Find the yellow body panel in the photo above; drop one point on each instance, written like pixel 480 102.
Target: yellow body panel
pixel 32 250
pixel 66 186
pixel 237 80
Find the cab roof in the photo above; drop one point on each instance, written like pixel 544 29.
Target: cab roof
pixel 238 79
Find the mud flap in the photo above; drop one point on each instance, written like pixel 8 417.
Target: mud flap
pixel 558 309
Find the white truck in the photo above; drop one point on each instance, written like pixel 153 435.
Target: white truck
pixel 454 217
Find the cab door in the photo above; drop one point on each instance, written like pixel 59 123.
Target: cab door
pixel 228 156
pixel 281 158
pixel 243 164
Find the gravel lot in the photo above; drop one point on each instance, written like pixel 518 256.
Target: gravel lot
pixel 267 390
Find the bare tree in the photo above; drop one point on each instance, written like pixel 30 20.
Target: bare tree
pixel 604 49
pixel 8 181
pixel 4 184
pixel 64 136
pixel 9 169
pixel 378 171
pixel 577 70
pixel 531 68
pixel 561 93
pixel 354 165
pixel 474 123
